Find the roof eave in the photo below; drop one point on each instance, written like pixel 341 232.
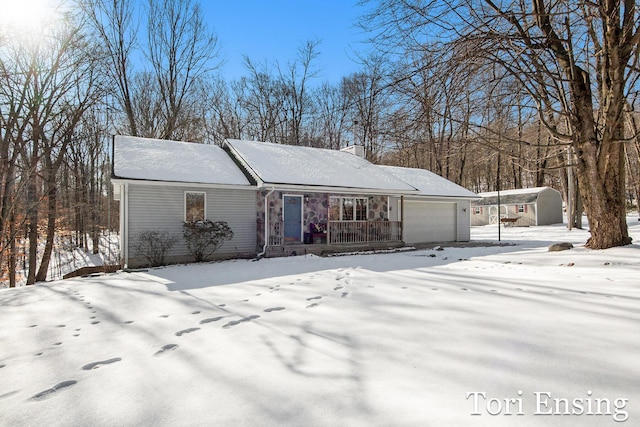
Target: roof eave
pixel 120 180
pixel 335 189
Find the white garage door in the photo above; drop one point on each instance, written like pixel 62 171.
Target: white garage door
pixel 429 222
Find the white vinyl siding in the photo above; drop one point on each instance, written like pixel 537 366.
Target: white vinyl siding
pixel 162 208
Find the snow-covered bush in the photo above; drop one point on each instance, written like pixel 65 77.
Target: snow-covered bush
pixel 153 245
pixel 203 238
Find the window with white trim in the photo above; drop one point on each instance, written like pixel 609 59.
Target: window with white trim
pixel 348 209
pixel 195 203
pixel 477 210
pixel 521 208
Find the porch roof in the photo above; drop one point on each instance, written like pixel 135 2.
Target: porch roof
pixel 429 183
pixel 288 165
pixel 172 161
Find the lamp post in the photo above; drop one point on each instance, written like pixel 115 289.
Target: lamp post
pixel 498 188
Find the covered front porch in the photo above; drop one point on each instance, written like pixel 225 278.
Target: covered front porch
pixel 324 223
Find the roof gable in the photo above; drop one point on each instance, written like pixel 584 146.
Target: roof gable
pixel 429 183
pixel 306 166
pixel 174 161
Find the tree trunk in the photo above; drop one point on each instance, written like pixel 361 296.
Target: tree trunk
pixel 601 182
pixel 51 230
pixel 12 251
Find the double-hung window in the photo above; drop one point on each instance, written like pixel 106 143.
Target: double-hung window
pixel 348 209
pixel 195 203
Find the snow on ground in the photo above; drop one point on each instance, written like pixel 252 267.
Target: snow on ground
pixel 396 339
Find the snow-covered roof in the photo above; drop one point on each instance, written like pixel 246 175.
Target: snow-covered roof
pixel 519 191
pixel 173 161
pixel 429 183
pixel 517 196
pixel 306 166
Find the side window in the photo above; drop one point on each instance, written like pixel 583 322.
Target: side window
pixel 347 210
pixel 194 206
pixel 334 209
pixel 361 209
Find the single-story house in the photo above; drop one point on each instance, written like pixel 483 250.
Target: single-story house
pixel 160 184
pixel 522 207
pixel 280 199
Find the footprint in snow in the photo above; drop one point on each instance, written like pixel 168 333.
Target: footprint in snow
pixel 236 322
pixel 165 348
pixel 95 322
pixel 186 331
pixel 344 294
pixel 337 288
pixel 2 366
pixel 96 365
pixel 222 305
pixel 39 354
pixel 314 304
pixel 57 343
pixel 128 322
pixel 60 326
pixel 164 315
pixel 195 312
pixel 314 298
pixel 269 310
pixel 210 319
pixel 33 326
pixel 48 392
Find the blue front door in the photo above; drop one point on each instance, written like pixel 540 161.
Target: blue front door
pixel 292 218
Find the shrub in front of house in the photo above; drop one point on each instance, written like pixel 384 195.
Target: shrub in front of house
pixel 203 238
pixel 154 246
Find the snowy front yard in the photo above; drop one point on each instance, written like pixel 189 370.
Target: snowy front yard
pixel 417 338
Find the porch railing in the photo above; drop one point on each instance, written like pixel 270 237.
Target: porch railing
pixel 345 232
pixel 275 234
pixel 348 232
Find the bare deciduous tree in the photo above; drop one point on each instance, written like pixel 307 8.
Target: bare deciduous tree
pixel 575 60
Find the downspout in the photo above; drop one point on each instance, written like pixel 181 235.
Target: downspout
pixel 266 223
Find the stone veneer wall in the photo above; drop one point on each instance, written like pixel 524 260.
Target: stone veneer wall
pixel 315 210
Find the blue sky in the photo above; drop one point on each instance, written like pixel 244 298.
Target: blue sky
pixel 273 30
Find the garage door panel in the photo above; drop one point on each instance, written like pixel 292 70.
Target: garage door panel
pixel 429 222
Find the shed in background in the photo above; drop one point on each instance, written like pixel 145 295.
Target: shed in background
pixel 524 207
